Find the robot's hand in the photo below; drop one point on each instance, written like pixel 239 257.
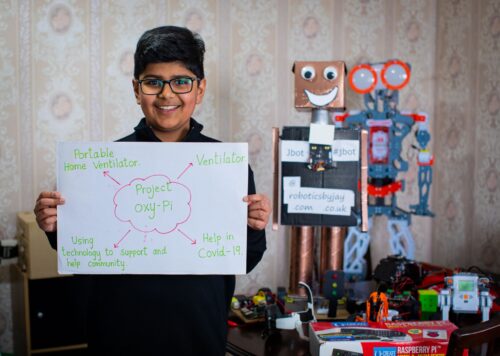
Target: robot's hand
pixel 425 158
pixel 338 118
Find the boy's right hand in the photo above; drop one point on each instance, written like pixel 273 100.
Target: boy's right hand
pixel 46 210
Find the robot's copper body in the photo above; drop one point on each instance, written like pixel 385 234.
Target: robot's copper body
pixel 301 258
pixel 332 248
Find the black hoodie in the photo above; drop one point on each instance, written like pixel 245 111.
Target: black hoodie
pixel 164 314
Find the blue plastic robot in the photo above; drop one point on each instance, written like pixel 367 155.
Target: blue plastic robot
pixel 387 128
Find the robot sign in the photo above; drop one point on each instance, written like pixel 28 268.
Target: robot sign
pixel 298 151
pixel 325 198
pixel 316 200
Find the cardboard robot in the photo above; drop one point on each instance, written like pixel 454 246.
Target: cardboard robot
pixel 320 173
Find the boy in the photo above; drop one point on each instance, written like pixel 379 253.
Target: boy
pixel 164 314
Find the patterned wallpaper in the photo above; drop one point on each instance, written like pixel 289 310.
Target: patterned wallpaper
pixel 468 166
pixel 66 69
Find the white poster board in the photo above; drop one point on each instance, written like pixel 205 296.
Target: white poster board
pixel 152 208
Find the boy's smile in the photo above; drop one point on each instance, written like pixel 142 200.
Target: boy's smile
pixel 167 113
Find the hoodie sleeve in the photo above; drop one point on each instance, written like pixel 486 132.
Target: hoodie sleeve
pixel 52 237
pixel 256 239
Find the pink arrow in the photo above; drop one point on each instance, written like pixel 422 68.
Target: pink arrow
pixel 106 174
pixel 185 169
pixel 193 242
pixel 116 244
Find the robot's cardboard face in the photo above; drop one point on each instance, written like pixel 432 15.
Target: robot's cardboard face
pixel 319 85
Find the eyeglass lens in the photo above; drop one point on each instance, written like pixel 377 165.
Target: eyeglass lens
pixel 155 86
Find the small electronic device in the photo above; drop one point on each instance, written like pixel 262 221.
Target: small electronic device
pixel 465 293
pixel 357 333
pixel 336 352
pixel 275 320
pixel 8 249
pixel 333 289
pixel 397 269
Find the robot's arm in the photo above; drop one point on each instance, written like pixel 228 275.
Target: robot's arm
pixel 344 119
pixel 425 160
pixel 423 137
pixel 444 302
pixel 485 299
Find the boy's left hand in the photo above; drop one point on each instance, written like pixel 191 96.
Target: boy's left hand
pixel 259 209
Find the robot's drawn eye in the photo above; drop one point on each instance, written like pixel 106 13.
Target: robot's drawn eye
pixel 330 73
pixel 308 73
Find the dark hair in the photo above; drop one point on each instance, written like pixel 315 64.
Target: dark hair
pixel 170 44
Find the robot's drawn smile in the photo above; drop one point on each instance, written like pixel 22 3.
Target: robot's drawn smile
pixel 322 100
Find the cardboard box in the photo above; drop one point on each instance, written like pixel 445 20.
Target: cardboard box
pixel 407 338
pixel 36 257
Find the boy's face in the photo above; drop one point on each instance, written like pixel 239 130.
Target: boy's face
pixel 168 113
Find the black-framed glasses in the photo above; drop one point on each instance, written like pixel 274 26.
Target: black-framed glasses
pixel 154 86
